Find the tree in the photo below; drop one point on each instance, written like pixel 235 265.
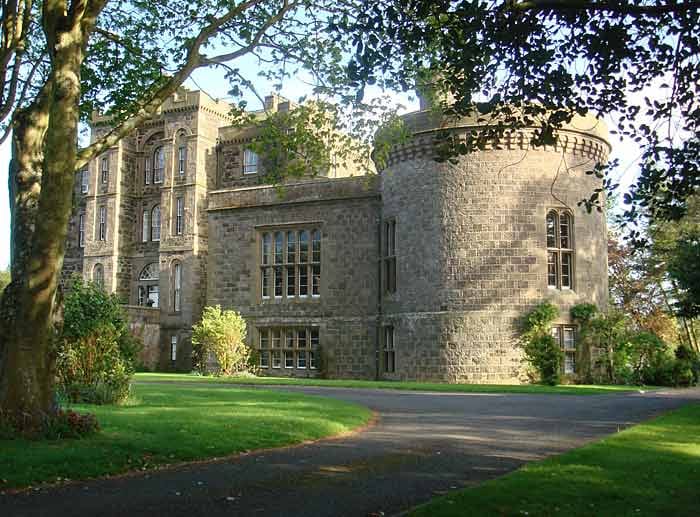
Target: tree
pixel 221 334
pixel 517 63
pixel 62 59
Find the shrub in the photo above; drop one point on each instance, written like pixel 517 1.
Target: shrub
pixel 541 349
pixel 97 354
pixel 221 334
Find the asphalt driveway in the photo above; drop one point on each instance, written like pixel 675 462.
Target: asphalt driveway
pixel 423 444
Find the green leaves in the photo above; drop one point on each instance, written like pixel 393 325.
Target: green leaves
pixel 220 335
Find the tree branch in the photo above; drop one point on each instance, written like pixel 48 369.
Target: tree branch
pixel 584 5
pixel 193 61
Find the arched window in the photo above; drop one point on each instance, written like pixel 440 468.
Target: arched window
pixel 177 287
pixel 148 288
pixel 158 165
pixel 98 275
pixel 155 223
pixel 560 250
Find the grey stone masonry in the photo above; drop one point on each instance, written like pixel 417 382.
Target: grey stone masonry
pixel 419 272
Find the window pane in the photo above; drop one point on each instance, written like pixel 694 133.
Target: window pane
pixel 276 338
pixel 552 269
pixel 291 247
pixel 279 282
pixel 250 162
pixel 279 246
pixel 312 360
pixel 291 281
pixel 288 359
pixel 566 270
pixel 551 230
pixel 179 215
pixel 314 338
pixel 158 165
pixel 569 338
pixel 301 359
pixel 303 280
pixel 155 223
pixel 265 282
pixel 264 359
pixel 173 348
pixel 301 338
pixel 291 336
pixel 181 159
pixel 316 281
pixel 303 246
pixel 276 359
pixel 569 363
pixel 145 225
pixel 316 246
pixel 153 295
pixel 564 227
pixel 266 248
pixel 556 334
pixel 264 338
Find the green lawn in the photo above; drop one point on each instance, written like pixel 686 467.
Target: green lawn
pixel 169 424
pixel 413 386
pixel 652 469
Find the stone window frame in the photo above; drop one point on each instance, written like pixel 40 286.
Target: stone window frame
pixel 104 169
pixel 179 215
pixel 84 180
pixel 283 263
pixel 148 283
pixel 281 347
pixel 388 243
pixel 158 165
pixel 173 348
pixel 181 156
pixel 177 285
pixel 566 336
pixel 389 349
pixel 250 164
pixel 560 249
pixel 145 224
pixel 102 224
pixel 155 223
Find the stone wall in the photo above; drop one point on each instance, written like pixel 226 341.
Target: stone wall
pixel 472 254
pixel 347 213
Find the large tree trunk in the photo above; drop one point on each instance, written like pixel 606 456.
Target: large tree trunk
pixel 41 186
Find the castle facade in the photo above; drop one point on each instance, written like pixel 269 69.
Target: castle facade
pixel 419 272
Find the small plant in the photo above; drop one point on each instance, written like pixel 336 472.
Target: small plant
pixel 221 334
pixel 70 424
pixel 541 349
pixel 97 354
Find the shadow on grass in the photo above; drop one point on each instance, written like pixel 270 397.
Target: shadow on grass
pixel 651 469
pixel 174 424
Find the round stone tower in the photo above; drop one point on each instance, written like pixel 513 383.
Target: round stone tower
pixel 477 244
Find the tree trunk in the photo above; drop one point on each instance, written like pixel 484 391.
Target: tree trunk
pixel 25 362
pixel 41 186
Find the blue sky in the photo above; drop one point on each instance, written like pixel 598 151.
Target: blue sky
pixel 216 86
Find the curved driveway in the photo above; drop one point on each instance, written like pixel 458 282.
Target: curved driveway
pixel 422 445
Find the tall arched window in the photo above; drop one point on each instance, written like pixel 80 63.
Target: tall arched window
pixel 177 287
pixel 158 165
pixel 148 288
pixel 98 275
pixel 560 250
pixel 155 223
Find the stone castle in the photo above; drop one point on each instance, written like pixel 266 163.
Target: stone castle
pixel 419 272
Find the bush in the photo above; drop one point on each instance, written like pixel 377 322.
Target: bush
pixel 221 334
pixel 97 354
pixel 541 349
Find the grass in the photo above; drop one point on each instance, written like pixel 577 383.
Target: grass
pixel 651 469
pixel 170 424
pixel 395 385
